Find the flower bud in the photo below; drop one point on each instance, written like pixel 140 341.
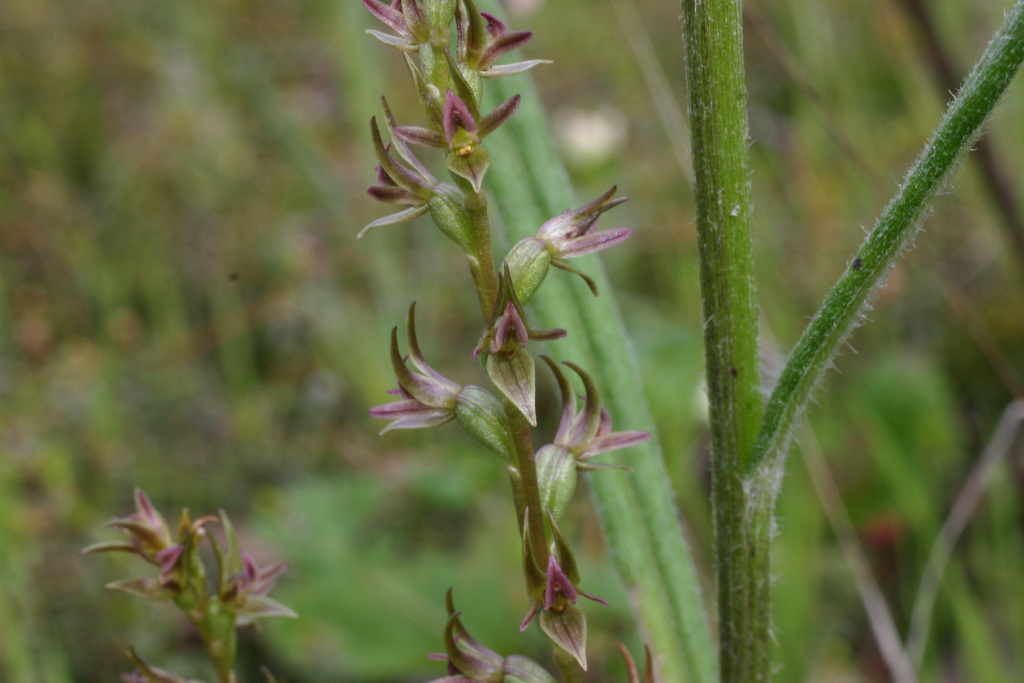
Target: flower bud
pixel 556 477
pixel 147 530
pixel 528 262
pixel 483 39
pixel 450 216
pixel 481 416
pixel 519 669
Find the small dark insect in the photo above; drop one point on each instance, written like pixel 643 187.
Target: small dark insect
pixel 733 372
pixel 233 276
pixel 857 263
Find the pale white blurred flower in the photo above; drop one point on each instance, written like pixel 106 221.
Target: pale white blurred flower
pixel 590 137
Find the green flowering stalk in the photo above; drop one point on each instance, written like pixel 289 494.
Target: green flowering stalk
pixel 449 87
pixel 236 596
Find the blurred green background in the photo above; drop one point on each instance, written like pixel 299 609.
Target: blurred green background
pixel 184 308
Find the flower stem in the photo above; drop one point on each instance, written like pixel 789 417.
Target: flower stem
pixel 481 262
pixel 527 466
pixel 843 308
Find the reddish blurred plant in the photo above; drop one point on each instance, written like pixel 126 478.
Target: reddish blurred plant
pixel 236 596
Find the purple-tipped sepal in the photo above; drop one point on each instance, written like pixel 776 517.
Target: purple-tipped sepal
pixel 408 183
pixel 588 432
pixel 568 234
pixel 427 397
pixel 470 662
pixel 483 39
pixel 406 18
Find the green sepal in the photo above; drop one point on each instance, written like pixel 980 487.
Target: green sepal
pixel 568 630
pixel 472 166
pixel 462 88
pixel 515 377
pixel 535 577
pixel 476 33
pixel 477 662
pixel 474 80
pixel 428 95
pixel 416 20
pixel 566 560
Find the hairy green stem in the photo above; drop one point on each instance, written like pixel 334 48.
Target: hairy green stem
pixel 843 307
pixel 713 36
pixel 638 515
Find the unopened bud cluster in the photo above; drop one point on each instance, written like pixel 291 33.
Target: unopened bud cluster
pixel 448 82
